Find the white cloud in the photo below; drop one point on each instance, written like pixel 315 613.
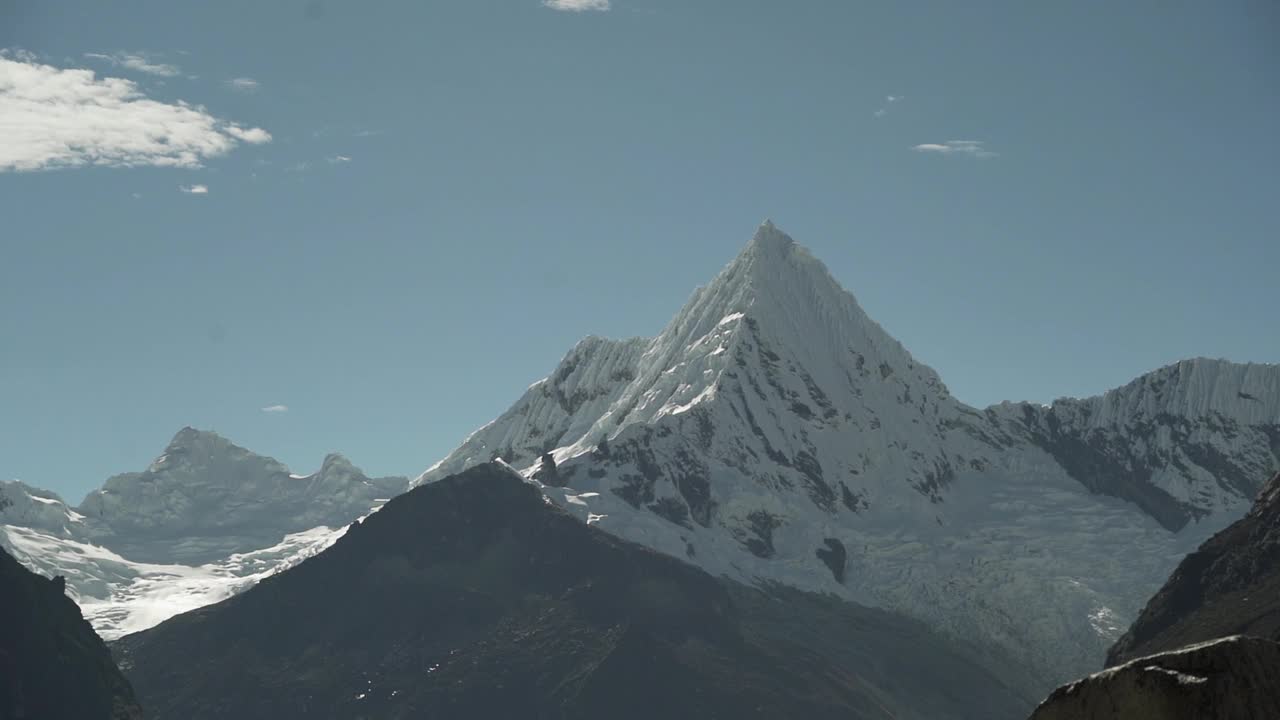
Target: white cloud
pixel 276 409
pixel 136 61
pixel 339 159
pixel 255 136
pixel 888 101
pixel 972 148
pixel 54 117
pixel 194 189
pixel 243 84
pixel 577 5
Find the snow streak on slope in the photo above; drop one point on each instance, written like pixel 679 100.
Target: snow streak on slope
pixel 774 432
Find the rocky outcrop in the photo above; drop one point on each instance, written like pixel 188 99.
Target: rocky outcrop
pixel 52 665
pixel 1230 585
pixel 475 597
pixel 1233 678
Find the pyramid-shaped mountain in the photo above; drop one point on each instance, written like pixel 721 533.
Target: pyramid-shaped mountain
pixel 773 432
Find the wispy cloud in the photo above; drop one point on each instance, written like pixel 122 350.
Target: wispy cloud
pixel 889 101
pixel 970 148
pixel 56 118
pixel 276 409
pixel 243 84
pixel 136 61
pixel 577 5
pixel 253 136
pixel 339 159
pixel 194 189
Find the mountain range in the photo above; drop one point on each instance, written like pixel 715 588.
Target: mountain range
pixel 773 436
pixel 473 597
pixel 205 520
pixel 772 432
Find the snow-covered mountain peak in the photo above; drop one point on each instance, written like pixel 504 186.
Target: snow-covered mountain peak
pixel 774 431
pixel 22 504
pixel 205 486
pixel 770 239
pixel 773 348
pixel 194 456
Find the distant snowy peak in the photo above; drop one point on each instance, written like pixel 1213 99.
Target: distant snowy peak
pixel 1183 442
pixel 217 497
pixel 21 504
pixel 206 519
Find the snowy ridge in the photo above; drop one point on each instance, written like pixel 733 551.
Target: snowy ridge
pixel 1247 393
pixel 583 386
pixel 1185 442
pixel 773 432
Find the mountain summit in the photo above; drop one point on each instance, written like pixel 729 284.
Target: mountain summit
pixel 773 432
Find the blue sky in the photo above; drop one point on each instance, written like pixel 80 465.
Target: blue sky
pixel 412 210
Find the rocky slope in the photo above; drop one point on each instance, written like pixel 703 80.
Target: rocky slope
pixel 52 665
pixel 1227 679
pixel 772 432
pixel 474 597
pixel 205 520
pixel 1229 586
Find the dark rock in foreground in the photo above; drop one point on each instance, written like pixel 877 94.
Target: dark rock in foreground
pixel 1229 586
pixel 52 665
pixel 1228 679
pixel 473 597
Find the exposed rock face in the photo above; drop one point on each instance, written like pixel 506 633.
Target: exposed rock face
pixel 1231 585
pixel 1232 678
pixel 52 665
pixel 474 597
pixel 773 432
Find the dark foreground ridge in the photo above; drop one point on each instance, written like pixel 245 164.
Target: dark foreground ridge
pixel 473 597
pixel 1229 586
pixel 52 665
pixel 1228 679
